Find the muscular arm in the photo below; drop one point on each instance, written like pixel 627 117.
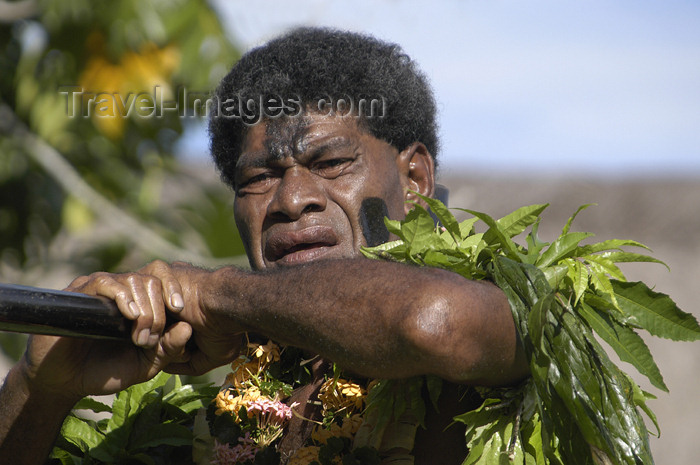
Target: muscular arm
pixel 30 420
pixel 378 319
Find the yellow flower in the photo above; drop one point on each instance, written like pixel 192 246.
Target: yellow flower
pixel 265 354
pixel 227 402
pixel 341 395
pixel 321 434
pixel 304 456
pixel 242 371
pixel 348 429
pixel 352 424
pixel 112 84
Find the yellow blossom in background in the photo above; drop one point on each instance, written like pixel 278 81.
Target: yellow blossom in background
pixel 304 456
pixel 338 395
pixel 115 86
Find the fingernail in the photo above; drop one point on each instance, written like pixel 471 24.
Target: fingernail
pixel 177 302
pixel 134 309
pixel 142 339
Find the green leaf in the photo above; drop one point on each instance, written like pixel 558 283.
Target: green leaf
pixel 119 423
pixel 162 434
pixel 603 285
pixel 64 457
pixel 88 403
pixel 574 377
pixel 434 386
pixel 516 222
pixel 565 245
pixel 625 342
pixel 79 433
pixel 534 244
pixel 579 278
pixel 603 265
pixel 629 257
pixel 444 215
pixel 567 226
pixel 466 227
pixel 418 229
pixel 532 441
pixel 394 227
pixel 610 244
pixel 495 235
pixel 655 312
pixel 555 274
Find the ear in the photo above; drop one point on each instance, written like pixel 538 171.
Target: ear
pixel 417 168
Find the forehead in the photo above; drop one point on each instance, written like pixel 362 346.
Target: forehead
pixel 284 137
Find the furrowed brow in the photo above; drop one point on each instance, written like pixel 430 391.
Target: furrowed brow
pixel 254 160
pixel 317 151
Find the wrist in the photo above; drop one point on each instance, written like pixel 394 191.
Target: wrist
pixel 31 389
pixel 225 296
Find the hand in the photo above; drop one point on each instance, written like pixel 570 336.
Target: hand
pixel 70 368
pixel 218 338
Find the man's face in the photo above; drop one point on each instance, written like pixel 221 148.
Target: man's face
pixel 305 186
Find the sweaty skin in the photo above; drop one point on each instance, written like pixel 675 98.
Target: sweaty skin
pixel 299 208
pixel 304 216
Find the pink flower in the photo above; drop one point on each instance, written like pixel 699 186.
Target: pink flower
pixel 227 455
pixel 268 411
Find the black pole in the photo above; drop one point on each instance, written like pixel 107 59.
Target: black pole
pixel 34 310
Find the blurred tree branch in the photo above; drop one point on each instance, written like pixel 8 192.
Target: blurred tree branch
pixel 15 11
pixel 119 220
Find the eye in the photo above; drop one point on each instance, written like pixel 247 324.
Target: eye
pixel 256 184
pixel 332 167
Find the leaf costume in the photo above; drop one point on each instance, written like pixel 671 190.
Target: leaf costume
pixel 576 407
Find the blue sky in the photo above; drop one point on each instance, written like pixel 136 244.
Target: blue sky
pixel 600 88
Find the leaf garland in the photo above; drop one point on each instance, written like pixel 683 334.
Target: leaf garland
pixel 577 406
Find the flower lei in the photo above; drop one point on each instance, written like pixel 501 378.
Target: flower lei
pixel 250 413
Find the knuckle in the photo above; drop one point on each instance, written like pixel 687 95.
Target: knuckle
pixel 78 282
pixel 158 265
pixel 102 279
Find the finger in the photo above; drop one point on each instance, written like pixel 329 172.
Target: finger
pixel 172 289
pixel 172 346
pixel 106 285
pixel 145 331
pixel 77 282
pixel 197 365
pixel 157 306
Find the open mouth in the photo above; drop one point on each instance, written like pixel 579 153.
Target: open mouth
pixel 293 247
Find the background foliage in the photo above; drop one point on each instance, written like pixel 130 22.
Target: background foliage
pixel 105 192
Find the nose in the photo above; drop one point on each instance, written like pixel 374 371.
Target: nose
pixel 297 193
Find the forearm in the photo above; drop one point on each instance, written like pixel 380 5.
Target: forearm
pixel 30 421
pixel 379 319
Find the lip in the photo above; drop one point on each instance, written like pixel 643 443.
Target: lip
pixel 300 246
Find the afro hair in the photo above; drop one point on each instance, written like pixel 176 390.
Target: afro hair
pixel 311 65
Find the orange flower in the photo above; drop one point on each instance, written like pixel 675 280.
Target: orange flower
pixel 339 395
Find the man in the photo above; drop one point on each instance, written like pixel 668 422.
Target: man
pixel 314 171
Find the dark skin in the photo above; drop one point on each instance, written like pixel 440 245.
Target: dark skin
pixel 299 191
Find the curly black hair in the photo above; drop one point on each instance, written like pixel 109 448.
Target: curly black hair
pixel 311 65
